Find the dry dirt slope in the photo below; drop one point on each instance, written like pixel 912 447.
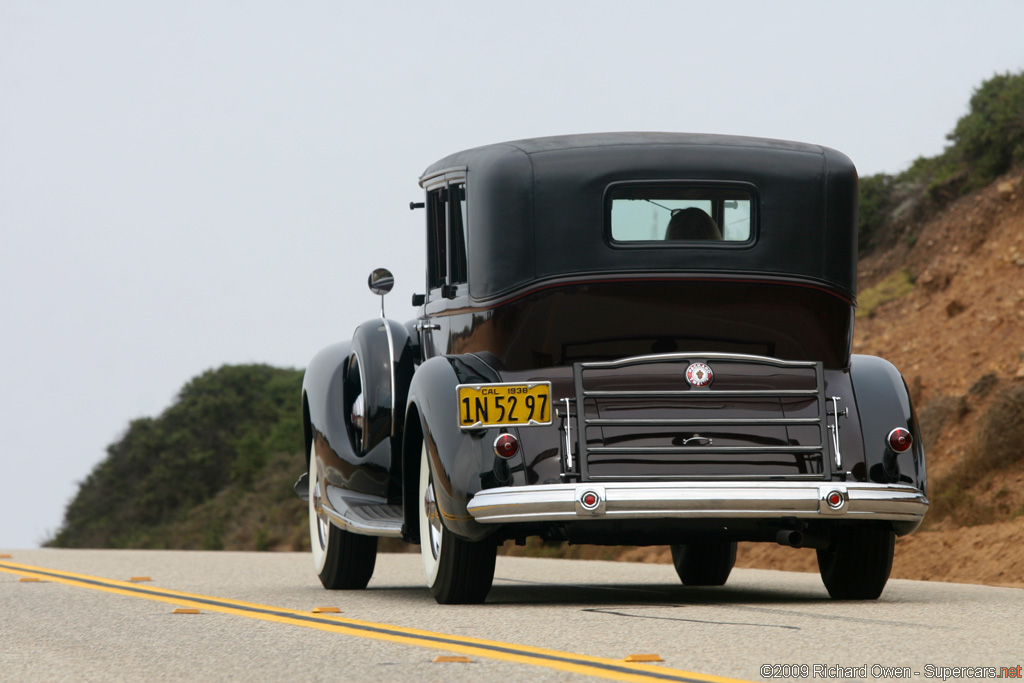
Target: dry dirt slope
pixel 958 338
pixel 956 331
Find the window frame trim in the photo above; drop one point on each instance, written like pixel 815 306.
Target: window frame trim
pixel 439 182
pixel 749 188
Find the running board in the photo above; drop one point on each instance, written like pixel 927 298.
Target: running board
pixel 367 518
pixel 364 517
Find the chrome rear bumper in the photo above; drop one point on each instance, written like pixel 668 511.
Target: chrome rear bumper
pixel 699 499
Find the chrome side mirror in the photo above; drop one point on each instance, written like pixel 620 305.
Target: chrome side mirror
pixel 380 282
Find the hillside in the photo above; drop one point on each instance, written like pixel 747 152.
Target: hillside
pixel 945 303
pixel 941 296
pixel 213 471
pixel 957 336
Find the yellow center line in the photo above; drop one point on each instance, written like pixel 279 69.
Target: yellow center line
pixel 522 654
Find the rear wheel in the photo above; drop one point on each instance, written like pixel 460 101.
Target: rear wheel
pixel 343 560
pixel 704 564
pixel 857 561
pixel 457 571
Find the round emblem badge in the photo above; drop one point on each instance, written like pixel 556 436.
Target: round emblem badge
pixel 699 375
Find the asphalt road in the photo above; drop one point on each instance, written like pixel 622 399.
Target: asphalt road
pixel 545 620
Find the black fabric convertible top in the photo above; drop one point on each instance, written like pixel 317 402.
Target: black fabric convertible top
pixel 537 209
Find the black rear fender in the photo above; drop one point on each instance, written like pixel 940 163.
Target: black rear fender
pixel 884 404
pixel 458 458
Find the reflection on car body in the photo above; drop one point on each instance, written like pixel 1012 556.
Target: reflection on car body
pixel 636 338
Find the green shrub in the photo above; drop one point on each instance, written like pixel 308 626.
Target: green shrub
pixel 896 286
pixel 220 434
pixel 986 142
pixel 990 137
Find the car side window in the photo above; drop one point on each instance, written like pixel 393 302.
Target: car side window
pixel 457 233
pixel 446 238
pixel 437 241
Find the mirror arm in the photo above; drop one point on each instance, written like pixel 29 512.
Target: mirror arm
pixel 380 282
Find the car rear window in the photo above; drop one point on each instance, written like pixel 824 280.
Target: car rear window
pixel 681 214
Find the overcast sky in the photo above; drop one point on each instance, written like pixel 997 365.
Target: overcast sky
pixel 189 184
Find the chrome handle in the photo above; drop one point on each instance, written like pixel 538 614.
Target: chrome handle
pixel 568 436
pixel 834 428
pixel 423 327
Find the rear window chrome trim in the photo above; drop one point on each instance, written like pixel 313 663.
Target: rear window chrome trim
pixel 749 188
pixel 443 177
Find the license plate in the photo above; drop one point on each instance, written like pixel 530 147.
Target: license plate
pixel 504 405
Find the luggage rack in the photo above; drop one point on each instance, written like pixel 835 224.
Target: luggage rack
pixel 577 448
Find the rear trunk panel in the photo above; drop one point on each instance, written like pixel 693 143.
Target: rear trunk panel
pixel 640 419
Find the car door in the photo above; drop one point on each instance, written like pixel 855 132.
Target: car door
pixel 447 288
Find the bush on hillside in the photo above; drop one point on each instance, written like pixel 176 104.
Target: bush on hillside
pixel 989 139
pixel 220 433
pixel 985 143
pixel 896 286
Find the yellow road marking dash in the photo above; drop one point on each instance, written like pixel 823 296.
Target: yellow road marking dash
pixel 451 658
pixel 644 658
pixel 139 579
pixel 29 579
pixel 326 610
pixel 186 610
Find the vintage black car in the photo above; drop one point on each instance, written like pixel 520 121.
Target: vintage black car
pixel 634 338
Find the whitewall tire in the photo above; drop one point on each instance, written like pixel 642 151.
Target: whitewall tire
pixel 457 571
pixel 343 560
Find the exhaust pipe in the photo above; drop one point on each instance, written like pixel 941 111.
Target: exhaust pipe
pixel 799 539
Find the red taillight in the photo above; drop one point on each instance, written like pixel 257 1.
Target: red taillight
pixel 506 445
pixel 900 440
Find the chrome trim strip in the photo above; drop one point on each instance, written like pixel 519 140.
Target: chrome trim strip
pixel 696 421
pixel 672 357
pixel 720 450
pixel 442 177
pixel 710 393
pixel 704 499
pixel 391 355
pixel 704 477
